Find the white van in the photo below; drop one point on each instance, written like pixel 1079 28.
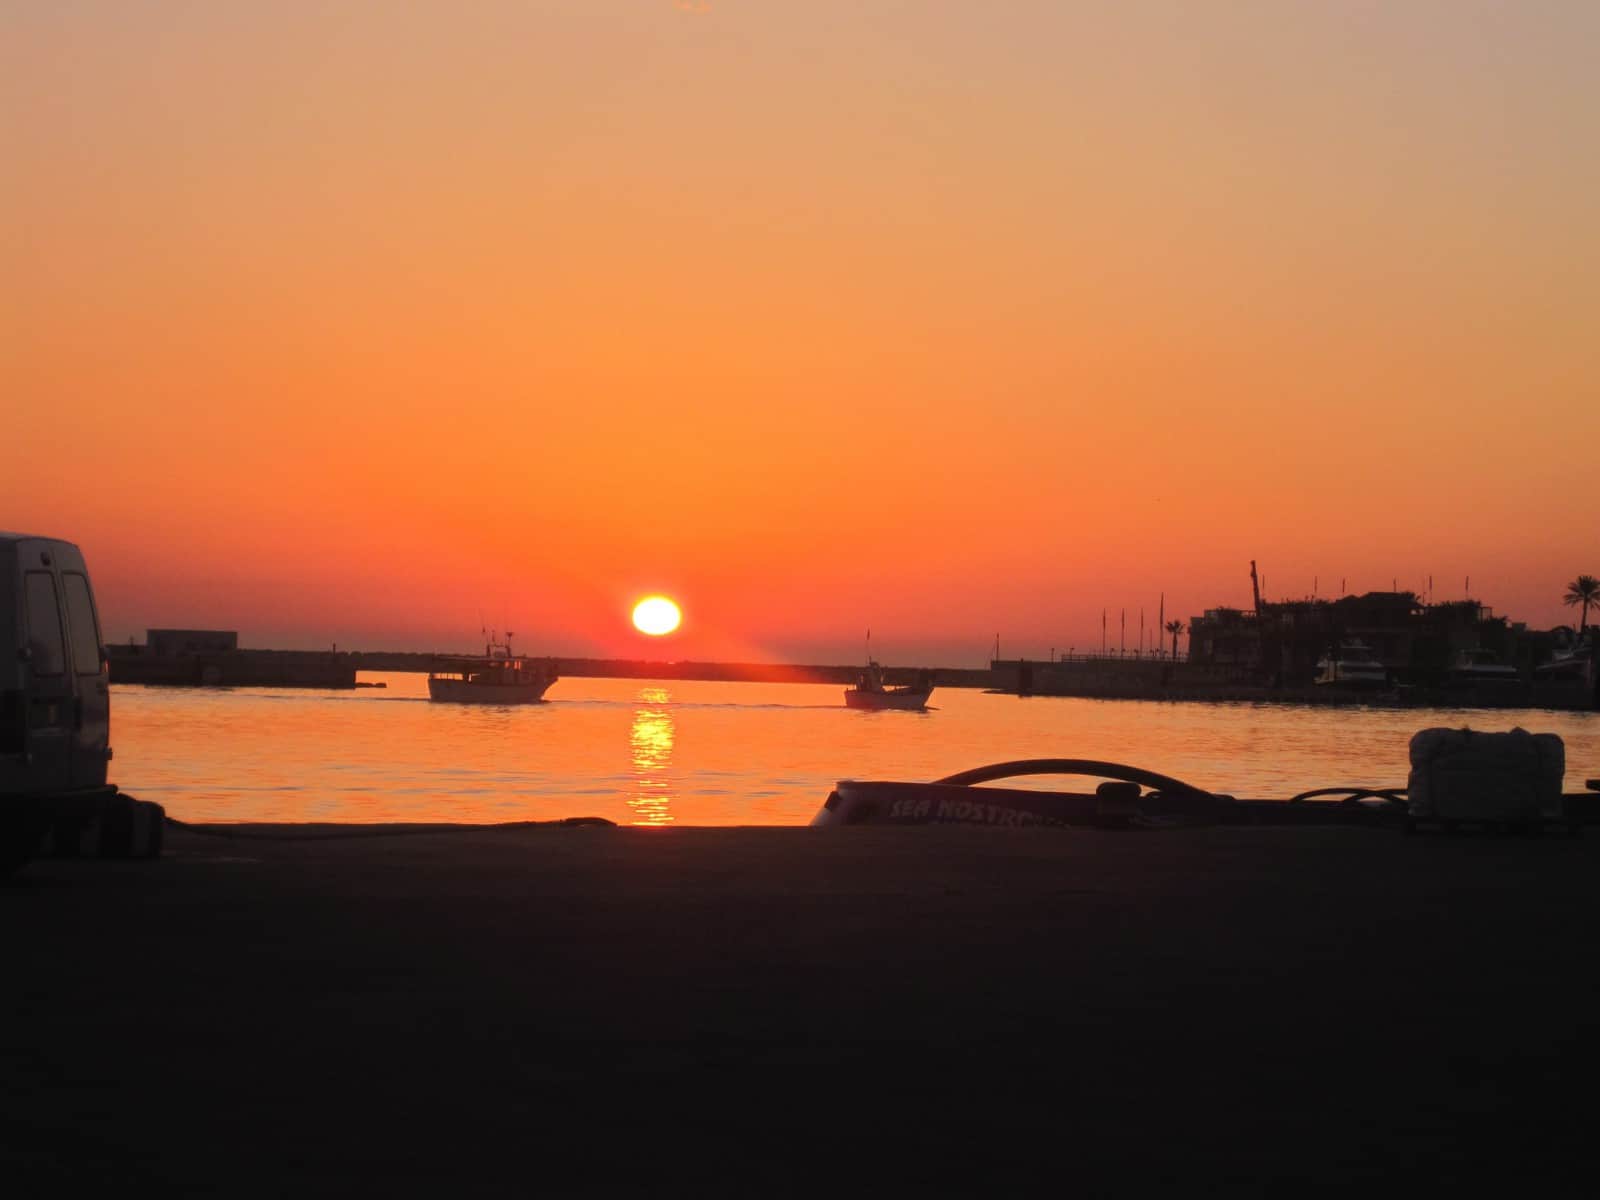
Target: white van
pixel 55 702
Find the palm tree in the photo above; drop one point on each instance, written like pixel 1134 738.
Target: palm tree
pixel 1174 628
pixel 1584 590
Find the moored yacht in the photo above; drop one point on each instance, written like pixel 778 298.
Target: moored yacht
pixel 1481 666
pixel 1352 665
pixel 1571 661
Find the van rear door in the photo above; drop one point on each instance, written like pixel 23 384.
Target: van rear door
pixel 47 679
pixel 91 675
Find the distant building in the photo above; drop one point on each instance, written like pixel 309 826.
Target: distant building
pixel 1225 637
pixel 170 643
pixel 1417 642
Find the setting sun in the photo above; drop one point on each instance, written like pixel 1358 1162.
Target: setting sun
pixel 656 615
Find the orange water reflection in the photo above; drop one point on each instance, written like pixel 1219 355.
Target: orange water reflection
pixel 689 752
pixel 651 743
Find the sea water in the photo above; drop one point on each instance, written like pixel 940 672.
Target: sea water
pixel 666 752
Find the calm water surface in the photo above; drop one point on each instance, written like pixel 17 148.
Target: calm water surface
pixel 657 753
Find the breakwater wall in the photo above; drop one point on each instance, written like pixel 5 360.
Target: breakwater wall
pixel 232 668
pixel 328 669
pixel 626 668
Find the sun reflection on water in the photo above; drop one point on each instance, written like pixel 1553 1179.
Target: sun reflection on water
pixel 651 742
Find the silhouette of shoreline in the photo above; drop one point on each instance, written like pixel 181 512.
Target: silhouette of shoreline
pixel 321 668
pixel 1098 679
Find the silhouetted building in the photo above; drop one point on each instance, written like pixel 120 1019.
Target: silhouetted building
pixel 1416 642
pixel 1225 637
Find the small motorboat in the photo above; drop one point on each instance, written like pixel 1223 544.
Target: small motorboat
pixel 499 677
pixel 870 691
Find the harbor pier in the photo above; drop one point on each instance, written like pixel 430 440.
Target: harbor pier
pixel 499 1010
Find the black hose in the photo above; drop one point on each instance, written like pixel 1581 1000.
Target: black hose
pixel 1185 795
pixel 1353 795
pixel 1078 766
pixel 1163 783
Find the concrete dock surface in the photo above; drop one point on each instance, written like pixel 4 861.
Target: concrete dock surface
pixel 763 1010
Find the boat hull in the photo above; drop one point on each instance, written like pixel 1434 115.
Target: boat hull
pixel 1351 681
pixel 1484 679
pixel 903 699
pixel 459 691
pixel 1575 670
pixel 882 802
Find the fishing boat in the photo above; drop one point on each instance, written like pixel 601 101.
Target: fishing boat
pixel 871 692
pixel 499 677
pixel 1351 665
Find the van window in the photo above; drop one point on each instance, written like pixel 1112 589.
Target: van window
pixel 44 624
pixel 81 624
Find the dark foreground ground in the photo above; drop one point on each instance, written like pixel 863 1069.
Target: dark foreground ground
pixel 762 1010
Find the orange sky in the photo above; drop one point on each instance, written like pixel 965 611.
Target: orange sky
pixel 347 323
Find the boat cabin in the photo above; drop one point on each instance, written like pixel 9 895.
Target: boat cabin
pixel 490 671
